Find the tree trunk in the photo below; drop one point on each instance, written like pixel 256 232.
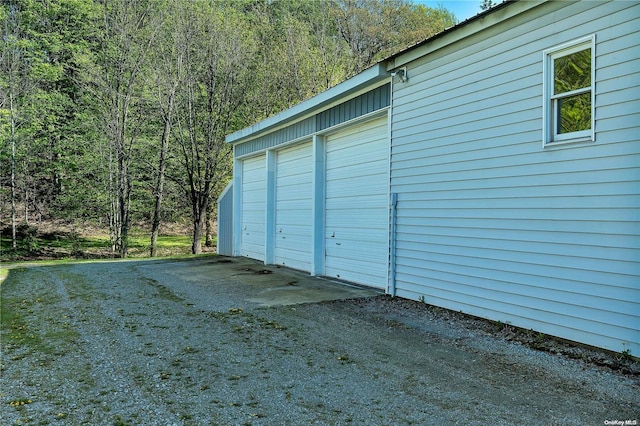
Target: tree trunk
pixel 26 202
pixel 124 192
pixel 13 172
pixel 196 245
pixel 155 222
pixel 199 214
pixel 164 143
pixel 125 42
pixel 114 222
pixel 198 230
pixel 209 234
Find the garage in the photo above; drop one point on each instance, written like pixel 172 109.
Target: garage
pixel 356 203
pixel 293 236
pixel 253 208
pixel 499 211
pixel 310 184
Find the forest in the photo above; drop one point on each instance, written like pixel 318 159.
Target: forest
pixel 113 113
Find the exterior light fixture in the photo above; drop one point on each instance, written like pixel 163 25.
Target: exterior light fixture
pixel 401 74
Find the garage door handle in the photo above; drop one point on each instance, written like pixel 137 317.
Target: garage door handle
pixel 338 244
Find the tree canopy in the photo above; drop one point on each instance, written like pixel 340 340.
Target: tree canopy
pixel 115 111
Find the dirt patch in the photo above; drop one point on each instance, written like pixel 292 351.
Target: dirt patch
pixel 222 260
pixel 257 271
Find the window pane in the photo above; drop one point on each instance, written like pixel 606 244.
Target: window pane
pixel 572 72
pixel 574 113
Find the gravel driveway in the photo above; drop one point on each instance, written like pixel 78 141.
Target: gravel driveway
pixel 218 341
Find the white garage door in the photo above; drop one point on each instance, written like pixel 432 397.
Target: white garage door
pixel 294 207
pixel 356 216
pixel 253 208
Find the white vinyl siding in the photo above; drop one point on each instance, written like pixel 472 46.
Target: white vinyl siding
pixel 253 208
pixel 356 207
pixel 293 221
pixel 490 224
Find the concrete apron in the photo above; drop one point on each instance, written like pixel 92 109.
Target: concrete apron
pixel 279 286
pixel 219 282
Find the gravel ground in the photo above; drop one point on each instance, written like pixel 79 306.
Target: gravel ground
pixel 206 341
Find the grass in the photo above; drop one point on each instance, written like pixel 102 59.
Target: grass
pixel 28 323
pixel 62 244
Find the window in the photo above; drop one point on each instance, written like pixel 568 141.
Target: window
pixel 569 76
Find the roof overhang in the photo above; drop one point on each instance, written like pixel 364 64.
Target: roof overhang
pixel 342 91
pixel 497 14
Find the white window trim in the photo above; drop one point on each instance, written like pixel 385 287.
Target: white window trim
pixel 549 136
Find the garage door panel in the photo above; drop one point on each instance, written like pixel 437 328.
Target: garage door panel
pixel 295 223
pixel 355 235
pixel 357 265
pixel 293 206
pixel 293 220
pixel 362 160
pixel 294 195
pixel 371 233
pixel 294 254
pixel 368 130
pixel 352 201
pixel 362 180
pixel 368 273
pixel 356 204
pixel 292 181
pixel 253 208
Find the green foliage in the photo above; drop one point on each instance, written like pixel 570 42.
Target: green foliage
pixel 42 43
pixel 29 240
pixel 376 29
pixel 486 4
pixel 88 88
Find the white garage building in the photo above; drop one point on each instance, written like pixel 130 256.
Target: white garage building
pixel 311 185
pixel 457 172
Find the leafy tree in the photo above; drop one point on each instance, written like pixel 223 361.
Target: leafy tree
pixel 300 54
pixel 115 111
pixel 13 87
pixel 219 50
pixel 21 68
pixel 165 80
pixel 374 29
pixel 127 32
pixel 486 4
pixel 62 31
pixel 44 40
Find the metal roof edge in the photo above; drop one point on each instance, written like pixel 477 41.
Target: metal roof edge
pixel 367 77
pixel 459 31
